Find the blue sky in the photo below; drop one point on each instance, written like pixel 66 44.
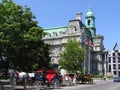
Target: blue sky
pixel 54 13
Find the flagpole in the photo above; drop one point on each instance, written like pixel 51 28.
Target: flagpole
pixel 89 60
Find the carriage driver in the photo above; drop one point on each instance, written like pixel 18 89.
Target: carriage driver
pixel 40 76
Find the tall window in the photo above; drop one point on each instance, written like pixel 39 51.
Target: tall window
pixel 114 66
pixel 114 61
pixel 109 60
pixel 109 68
pixel 88 22
pixel 118 54
pixel 114 72
pixel 113 54
pixel 118 59
pixel 118 66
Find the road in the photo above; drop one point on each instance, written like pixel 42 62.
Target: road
pixel 98 85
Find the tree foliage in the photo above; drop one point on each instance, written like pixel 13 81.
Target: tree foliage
pixel 21 44
pixel 73 56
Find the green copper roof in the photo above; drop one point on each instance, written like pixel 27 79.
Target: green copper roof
pixel 56 29
pixel 89 13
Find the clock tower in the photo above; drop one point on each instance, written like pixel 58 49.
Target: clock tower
pixel 90 22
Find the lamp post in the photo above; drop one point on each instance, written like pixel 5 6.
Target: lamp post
pixel 105 63
pixel 11 73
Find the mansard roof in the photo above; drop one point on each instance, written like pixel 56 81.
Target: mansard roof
pixel 81 25
pixel 87 31
pixel 56 30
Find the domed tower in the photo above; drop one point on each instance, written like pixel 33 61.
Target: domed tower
pixel 90 22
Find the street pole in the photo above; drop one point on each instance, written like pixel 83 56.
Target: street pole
pixel 84 59
pixel 12 83
pixel 24 81
pixel 11 73
pixel 89 60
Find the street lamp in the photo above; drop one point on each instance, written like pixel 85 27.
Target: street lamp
pixel 105 52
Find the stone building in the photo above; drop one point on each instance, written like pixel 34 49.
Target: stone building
pixel 85 33
pixel 113 61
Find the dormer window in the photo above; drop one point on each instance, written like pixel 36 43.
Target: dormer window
pixel 61 33
pixel 48 35
pixel 54 34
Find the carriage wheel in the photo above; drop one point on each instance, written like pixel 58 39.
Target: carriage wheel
pixel 68 83
pixel 37 84
pixel 56 83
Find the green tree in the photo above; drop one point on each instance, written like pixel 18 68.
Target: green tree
pixel 73 56
pixel 21 44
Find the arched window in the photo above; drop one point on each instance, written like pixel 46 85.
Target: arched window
pixel 88 22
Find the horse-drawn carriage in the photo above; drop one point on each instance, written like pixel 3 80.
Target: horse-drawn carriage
pixel 49 78
pixel 84 78
pixel 69 79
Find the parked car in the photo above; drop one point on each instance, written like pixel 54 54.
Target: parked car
pixel 116 79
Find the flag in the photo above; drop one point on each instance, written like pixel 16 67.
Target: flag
pixel 86 41
pixel 90 43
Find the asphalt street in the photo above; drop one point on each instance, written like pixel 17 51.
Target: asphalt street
pixel 98 85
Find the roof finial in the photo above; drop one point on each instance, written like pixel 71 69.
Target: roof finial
pixel 89 7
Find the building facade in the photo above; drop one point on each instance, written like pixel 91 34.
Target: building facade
pixel 85 33
pixel 113 61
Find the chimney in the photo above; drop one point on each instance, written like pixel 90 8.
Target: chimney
pixel 79 16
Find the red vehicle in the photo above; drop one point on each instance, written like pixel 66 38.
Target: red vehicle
pixel 52 78
pixel 49 78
